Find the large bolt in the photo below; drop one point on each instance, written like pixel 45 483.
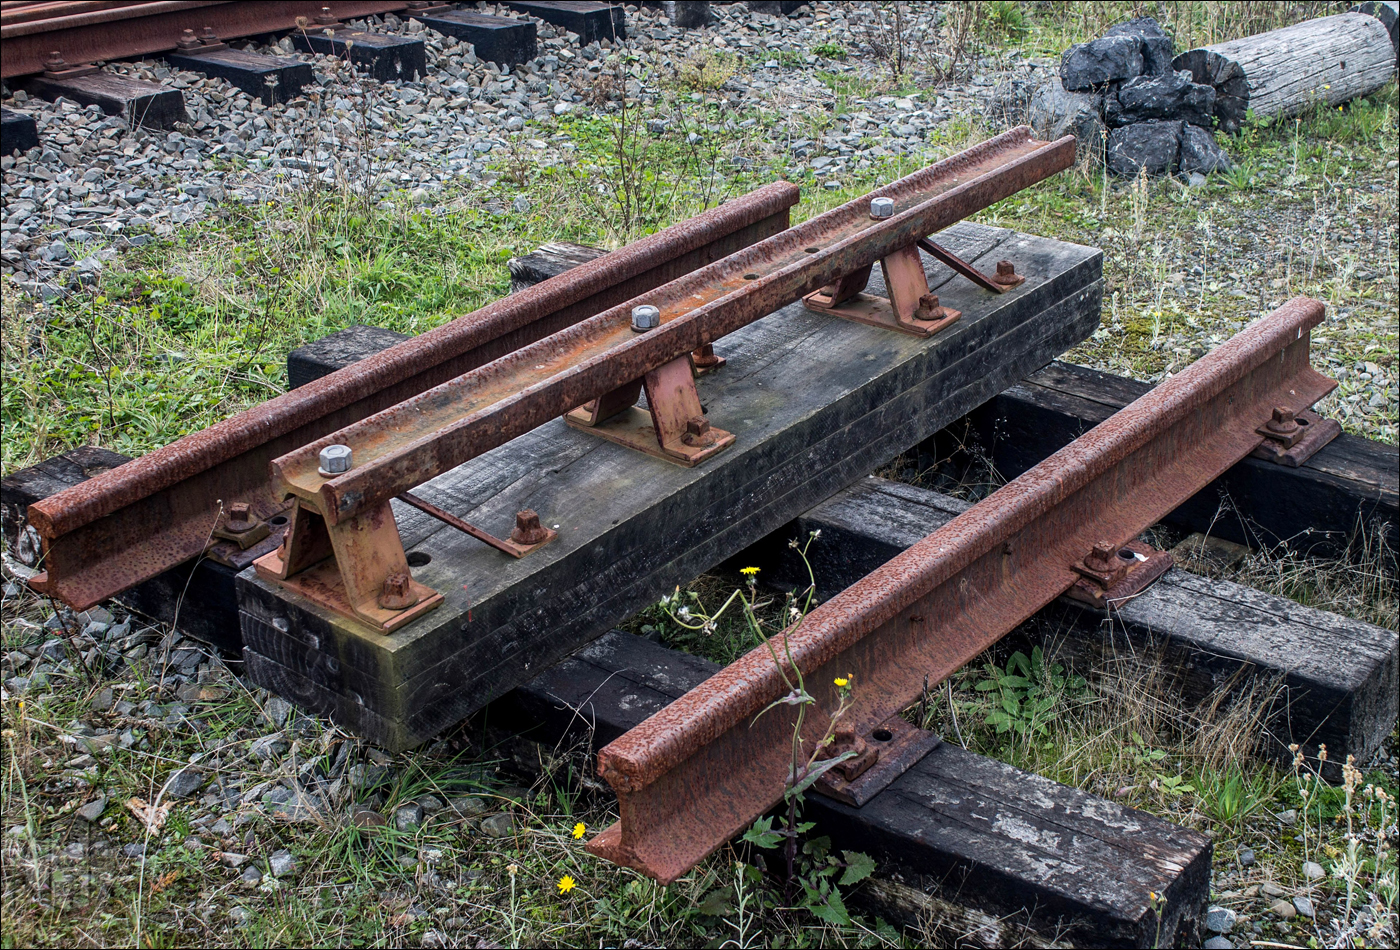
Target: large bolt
pixel 645 317
pixel 528 529
pixel 239 516
pixel 397 593
pixel 1283 422
pixel 335 460
pixel 928 304
pixel 1101 558
pixel 881 208
pixel 187 40
pixel 697 433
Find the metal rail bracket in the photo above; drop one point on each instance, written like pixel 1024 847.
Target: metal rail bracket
pixel 1110 573
pixel 891 748
pixel 1291 439
pixel 673 427
pixel 910 307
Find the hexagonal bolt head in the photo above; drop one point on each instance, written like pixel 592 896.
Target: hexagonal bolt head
pixel 336 459
pixel 240 516
pixel 928 303
pixel 1283 422
pixel 1006 269
pixel 697 433
pixel 187 40
pixel 645 317
pixel 397 593
pixel 528 529
pixel 881 208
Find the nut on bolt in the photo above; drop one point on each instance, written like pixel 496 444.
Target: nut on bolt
pixel 881 208
pixel 645 317
pixel 335 460
pixel 397 593
pixel 528 529
pixel 1283 422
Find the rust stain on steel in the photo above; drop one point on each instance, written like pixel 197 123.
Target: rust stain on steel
pixel 410 443
pixel 132 522
pixel 699 771
pixel 97 31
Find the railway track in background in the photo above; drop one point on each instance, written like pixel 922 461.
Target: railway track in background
pixel 57 48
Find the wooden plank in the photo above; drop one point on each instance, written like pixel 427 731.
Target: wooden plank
pixel 1338 678
pixel 142 103
pixel 387 57
pixel 322 357
pixel 592 21
pixel 271 79
pixel 1315 509
pixel 549 260
pixel 816 402
pixel 1021 857
pixel 18 132
pixel 502 40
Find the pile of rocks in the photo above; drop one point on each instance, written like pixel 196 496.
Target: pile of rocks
pixel 1121 98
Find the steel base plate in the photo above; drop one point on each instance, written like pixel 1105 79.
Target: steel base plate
pixel 877 312
pixel 1151 564
pixel 322 586
pixel 1317 433
pixel 633 428
pixel 900 745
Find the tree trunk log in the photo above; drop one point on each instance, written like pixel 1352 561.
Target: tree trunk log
pixel 1287 71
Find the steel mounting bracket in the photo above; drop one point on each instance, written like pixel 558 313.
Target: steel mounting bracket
pixel 672 427
pixel 910 307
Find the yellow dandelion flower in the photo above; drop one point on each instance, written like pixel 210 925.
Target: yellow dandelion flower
pixel 748 571
pixel 842 682
pixel 566 884
pixel 579 831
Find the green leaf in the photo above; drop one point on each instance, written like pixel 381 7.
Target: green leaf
pixel 762 834
pixel 1014 682
pixel 1018 661
pixel 859 866
pixel 832 910
pixel 716 903
pixel 1011 704
pixel 984 686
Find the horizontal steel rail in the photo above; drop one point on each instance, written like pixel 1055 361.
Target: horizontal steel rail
pixel 97 32
pixel 127 525
pixel 700 771
pixel 408 444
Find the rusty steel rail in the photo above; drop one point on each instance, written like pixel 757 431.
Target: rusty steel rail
pixel 700 771
pixel 97 31
pixel 408 444
pixel 129 524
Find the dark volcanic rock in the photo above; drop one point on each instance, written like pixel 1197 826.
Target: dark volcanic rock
pixel 1173 96
pixel 1099 61
pixel 1053 113
pixel 1156 45
pixel 1152 145
pixel 1200 153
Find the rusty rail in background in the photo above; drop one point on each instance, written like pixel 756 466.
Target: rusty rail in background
pixel 700 771
pixel 410 443
pixel 127 525
pixel 90 32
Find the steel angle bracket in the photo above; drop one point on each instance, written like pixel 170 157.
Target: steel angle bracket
pixel 601 362
pixel 701 770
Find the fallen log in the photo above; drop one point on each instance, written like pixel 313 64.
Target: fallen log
pixel 1287 71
